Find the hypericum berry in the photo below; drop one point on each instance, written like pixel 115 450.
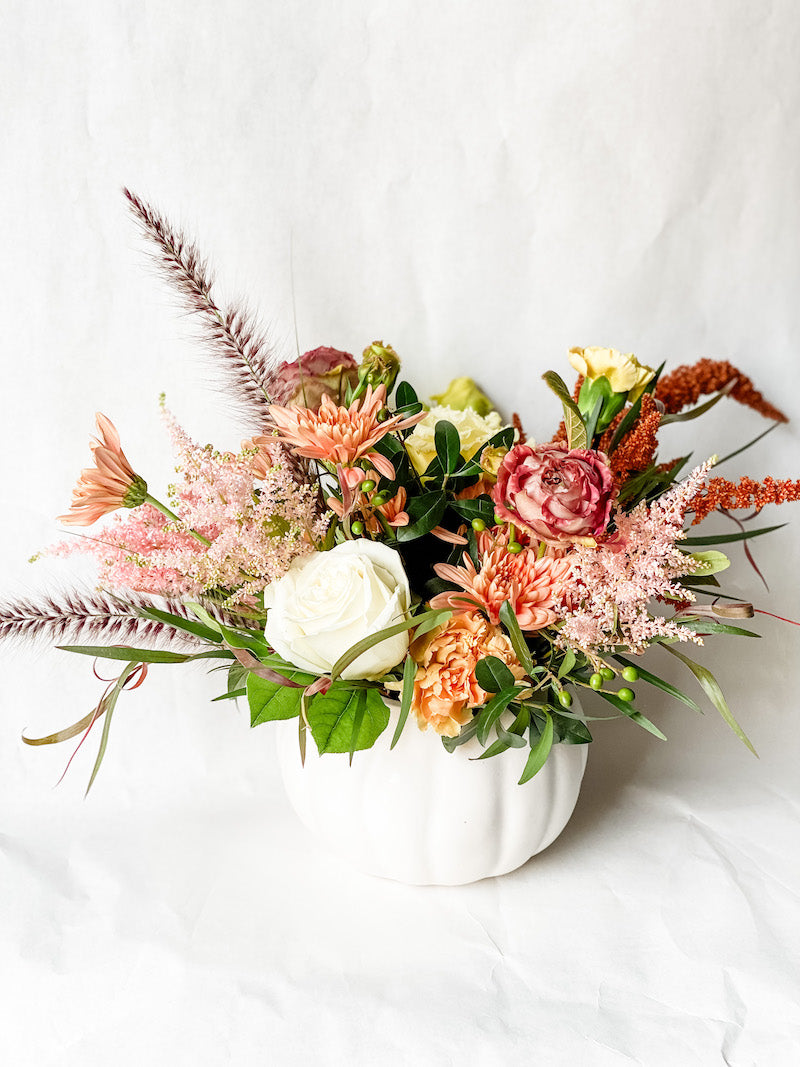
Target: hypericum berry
pixel 498 518
pixel 357 528
pixel 478 525
pixel 630 674
pixel 607 673
pixel 626 694
pixel 565 699
pixel 596 681
pixel 367 485
pixel 514 547
pixel 379 499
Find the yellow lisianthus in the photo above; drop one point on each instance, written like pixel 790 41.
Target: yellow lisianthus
pixel 624 372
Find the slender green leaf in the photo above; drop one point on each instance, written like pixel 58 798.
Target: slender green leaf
pixel 423 623
pixel 111 703
pixel 660 683
pixel 539 751
pixel 725 539
pixel 591 420
pixel 466 733
pixel 714 693
pixel 749 444
pixel 190 626
pixel 139 655
pixel 492 711
pixel 701 409
pixel 232 694
pixel 409 671
pixel 707 626
pixel 509 619
pixel 633 714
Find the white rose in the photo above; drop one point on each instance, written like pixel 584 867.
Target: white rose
pixel 473 431
pixel 328 601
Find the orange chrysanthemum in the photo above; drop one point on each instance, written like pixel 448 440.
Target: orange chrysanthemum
pixel 110 484
pixel 532 586
pixel 341 436
pixel 445 687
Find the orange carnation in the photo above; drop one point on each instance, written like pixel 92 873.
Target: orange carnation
pixel 445 687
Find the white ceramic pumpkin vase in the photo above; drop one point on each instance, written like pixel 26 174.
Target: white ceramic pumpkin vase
pixel 420 815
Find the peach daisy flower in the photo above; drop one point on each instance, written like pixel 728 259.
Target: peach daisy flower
pixel 533 586
pixel 339 435
pixel 110 484
pixel 445 688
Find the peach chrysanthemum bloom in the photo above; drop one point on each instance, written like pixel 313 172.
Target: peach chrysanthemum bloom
pixel 110 484
pixel 341 436
pixel 532 586
pixel 445 687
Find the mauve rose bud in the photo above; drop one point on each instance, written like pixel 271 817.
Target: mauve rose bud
pixel 559 495
pixel 321 372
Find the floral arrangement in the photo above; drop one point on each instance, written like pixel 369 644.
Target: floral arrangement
pixel 366 553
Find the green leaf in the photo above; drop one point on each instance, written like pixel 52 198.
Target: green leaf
pixel 232 694
pixel 659 683
pixel 539 751
pixel 567 663
pixel 710 563
pixel 482 507
pixel 509 619
pixel 448 445
pixel 749 444
pixel 466 733
pixel 423 623
pixel 573 420
pixel 633 714
pixel 409 671
pixel 190 626
pixel 724 539
pixel 628 420
pixel 111 703
pixel 508 738
pixel 332 718
pixel 706 626
pixel 570 729
pixel 701 409
pixel 424 512
pixel 493 675
pixel 270 701
pixel 492 711
pixel 591 420
pixel 140 655
pixel 714 693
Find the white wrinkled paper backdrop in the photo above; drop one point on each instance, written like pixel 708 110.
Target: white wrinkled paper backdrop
pixel 482 185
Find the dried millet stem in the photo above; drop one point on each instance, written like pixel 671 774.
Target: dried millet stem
pixel 686 384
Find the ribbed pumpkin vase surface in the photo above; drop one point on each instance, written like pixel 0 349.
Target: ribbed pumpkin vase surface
pixel 418 814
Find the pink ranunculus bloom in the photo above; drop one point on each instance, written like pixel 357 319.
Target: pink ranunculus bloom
pixel 320 372
pixel 559 495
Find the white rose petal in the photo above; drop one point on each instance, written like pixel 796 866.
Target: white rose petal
pixel 327 602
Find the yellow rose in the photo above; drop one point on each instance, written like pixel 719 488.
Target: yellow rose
pixel 625 374
pixel 473 431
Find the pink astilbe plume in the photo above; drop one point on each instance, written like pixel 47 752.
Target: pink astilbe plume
pixel 532 586
pixel 253 520
pixel 611 586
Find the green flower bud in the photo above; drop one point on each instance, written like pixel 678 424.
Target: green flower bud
pixel 379 364
pixel 463 393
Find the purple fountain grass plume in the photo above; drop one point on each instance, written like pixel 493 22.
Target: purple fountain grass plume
pixel 232 332
pixel 81 616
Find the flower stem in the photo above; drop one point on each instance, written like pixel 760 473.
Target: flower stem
pixel 174 518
